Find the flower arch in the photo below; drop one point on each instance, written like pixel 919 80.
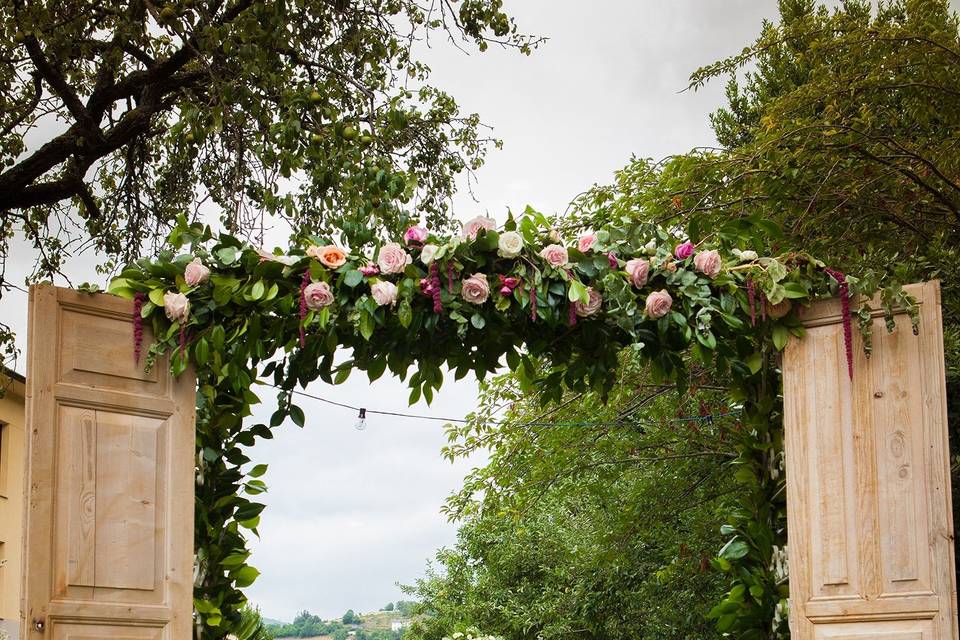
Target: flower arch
pixel 557 313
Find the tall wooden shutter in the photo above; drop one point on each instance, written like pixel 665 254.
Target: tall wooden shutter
pixel 109 531
pixel 868 480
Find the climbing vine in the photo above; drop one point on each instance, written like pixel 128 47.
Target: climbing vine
pixel 557 312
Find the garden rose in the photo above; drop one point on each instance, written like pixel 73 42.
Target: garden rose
pixel 415 235
pixel 176 306
pixel 384 292
pixel 195 273
pixel 658 304
pixel 612 260
pixel 555 255
pixel 510 244
pixel 586 241
pixel 476 289
pixel 272 257
pixel 329 255
pixel 639 270
pixel 472 227
pixel 318 295
pixel 392 258
pixel 708 263
pixel 427 253
pixel 683 251
pixel 591 306
pixel 777 311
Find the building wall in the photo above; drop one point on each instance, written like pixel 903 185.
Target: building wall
pixel 13 456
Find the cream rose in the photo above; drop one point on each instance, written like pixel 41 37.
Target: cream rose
pixel 591 306
pixel 658 304
pixel 708 263
pixel 639 270
pixel 393 258
pixel 195 273
pixel 510 244
pixel 329 255
pixel 556 255
pixel 473 226
pixel 476 289
pixel 176 306
pixel 384 292
pixel 318 295
pixel 427 253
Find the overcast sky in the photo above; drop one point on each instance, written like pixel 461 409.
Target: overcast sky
pixel 352 513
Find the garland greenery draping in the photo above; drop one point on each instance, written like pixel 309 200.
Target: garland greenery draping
pixel 557 312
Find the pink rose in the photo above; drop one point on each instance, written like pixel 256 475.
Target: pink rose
pixel 318 295
pixel 416 235
pixel 472 227
pixel 658 304
pixel 196 273
pixel 555 255
pixel 639 269
pixel 591 306
pixel 708 263
pixel 777 311
pixel 176 306
pixel 476 289
pixel 392 258
pixel 586 241
pixel 612 259
pixel 384 292
pixel 370 270
pixel 683 251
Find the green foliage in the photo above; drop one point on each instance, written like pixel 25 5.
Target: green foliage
pixel 307 625
pixel 243 325
pixel 316 112
pixel 252 626
pixel 350 617
pixel 598 521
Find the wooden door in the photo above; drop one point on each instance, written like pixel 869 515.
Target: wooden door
pixel 109 526
pixel 868 480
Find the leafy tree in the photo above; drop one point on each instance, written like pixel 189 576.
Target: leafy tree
pixel 316 113
pixel 350 617
pixel 389 607
pixel 601 526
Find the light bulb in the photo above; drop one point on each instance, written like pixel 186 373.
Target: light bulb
pixel 361 423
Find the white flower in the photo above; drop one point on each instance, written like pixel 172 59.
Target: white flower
pixel 427 253
pixel 510 244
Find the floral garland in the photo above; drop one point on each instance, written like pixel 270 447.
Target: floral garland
pixel 518 293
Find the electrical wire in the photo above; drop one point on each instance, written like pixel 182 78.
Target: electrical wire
pixel 708 418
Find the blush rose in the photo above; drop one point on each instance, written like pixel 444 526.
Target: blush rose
pixel 476 289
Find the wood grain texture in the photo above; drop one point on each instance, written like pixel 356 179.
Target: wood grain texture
pixel 868 485
pixel 109 524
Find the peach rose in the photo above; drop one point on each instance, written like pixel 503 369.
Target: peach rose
pixel 384 292
pixel 330 255
pixel 176 306
pixel 556 255
pixel 318 295
pixel 195 273
pixel 476 289
pixel 591 306
pixel 639 270
pixel 472 227
pixel 586 241
pixel 708 263
pixel 659 304
pixel 393 258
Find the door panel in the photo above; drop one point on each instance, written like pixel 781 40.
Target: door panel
pixel 110 505
pixel 870 520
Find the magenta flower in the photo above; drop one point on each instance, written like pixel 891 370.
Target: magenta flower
pixel 416 235
pixel 370 270
pixel 683 251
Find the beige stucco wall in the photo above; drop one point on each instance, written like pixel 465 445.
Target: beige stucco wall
pixel 12 460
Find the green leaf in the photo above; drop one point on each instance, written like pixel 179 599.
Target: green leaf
pixel 257 471
pixel 478 321
pixel 296 414
pixel 577 292
pixel 735 549
pixel 244 576
pixel 755 362
pixel 227 255
pixel 352 278
pixel 257 290
pixel 156 297
pixel 780 336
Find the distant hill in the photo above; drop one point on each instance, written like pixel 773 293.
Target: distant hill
pixel 273 622
pixel 372 626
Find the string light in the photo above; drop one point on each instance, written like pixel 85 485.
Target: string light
pixel 362 412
